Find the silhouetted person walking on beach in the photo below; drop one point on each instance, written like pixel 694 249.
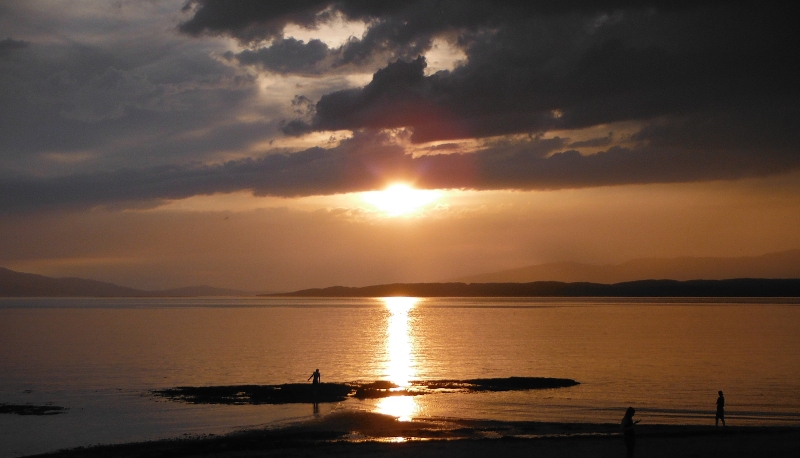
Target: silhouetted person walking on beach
pixel 316 376
pixel 628 434
pixel 720 410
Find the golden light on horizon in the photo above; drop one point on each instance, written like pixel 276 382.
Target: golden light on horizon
pixel 400 199
pixel 400 366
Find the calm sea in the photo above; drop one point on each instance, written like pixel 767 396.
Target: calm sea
pixel 100 357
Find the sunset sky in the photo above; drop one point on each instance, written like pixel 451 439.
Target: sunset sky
pixel 250 144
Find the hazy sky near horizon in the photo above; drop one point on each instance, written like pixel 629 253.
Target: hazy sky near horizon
pixel 246 144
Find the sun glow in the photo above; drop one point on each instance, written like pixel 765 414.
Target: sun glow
pixel 400 199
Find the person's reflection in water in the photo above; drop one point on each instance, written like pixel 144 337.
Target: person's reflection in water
pixel 720 410
pixel 316 409
pixel 628 434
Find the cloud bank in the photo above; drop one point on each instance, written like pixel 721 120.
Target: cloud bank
pixel 708 89
pixel 371 161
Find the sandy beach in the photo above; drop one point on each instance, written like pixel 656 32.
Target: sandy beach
pixel 370 435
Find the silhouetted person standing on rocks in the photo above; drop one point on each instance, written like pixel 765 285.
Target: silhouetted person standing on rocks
pixel 316 376
pixel 628 434
pixel 317 379
pixel 720 410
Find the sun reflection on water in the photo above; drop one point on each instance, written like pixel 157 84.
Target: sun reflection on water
pixel 400 366
pixel 402 407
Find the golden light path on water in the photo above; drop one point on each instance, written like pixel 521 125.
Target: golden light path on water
pixel 400 366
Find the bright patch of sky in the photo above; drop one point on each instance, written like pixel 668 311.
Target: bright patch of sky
pixel 333 33
pixel 443 55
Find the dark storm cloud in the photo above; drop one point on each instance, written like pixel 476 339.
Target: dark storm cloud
pixel 396 29
pixel 396 96
pixel 560 74
pixel 256 20
pixel 533 67
pixel 369 161
pixel 593 142
pixel 356 164
pixel 405 33
pixel 286 55
pixel 708 87
pixel 250 20
pixel 9 44
pixel 120 106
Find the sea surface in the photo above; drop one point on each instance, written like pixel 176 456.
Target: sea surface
pixel 100 358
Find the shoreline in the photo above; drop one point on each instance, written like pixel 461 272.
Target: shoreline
pixel 369 435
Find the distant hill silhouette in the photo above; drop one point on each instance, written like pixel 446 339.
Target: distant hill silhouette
pixel 18 284
pixel 784 264
pixel 742 287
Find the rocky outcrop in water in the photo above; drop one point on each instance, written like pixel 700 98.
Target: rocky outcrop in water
pixel 336 392
pixel 29 409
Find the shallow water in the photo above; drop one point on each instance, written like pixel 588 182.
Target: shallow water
pixel 668 358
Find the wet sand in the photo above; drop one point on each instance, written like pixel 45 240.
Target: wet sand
pixel 363 434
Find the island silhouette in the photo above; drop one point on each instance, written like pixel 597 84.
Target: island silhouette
pixel 18 284
pixel 738 287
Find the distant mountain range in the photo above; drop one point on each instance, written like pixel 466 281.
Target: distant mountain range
pixel 784 264
pixel 553 279
pixel 741 287
pixel 18 284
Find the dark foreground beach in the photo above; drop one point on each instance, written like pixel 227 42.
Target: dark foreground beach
pixel 363 434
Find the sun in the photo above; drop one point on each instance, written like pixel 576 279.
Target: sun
pixel 400 199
